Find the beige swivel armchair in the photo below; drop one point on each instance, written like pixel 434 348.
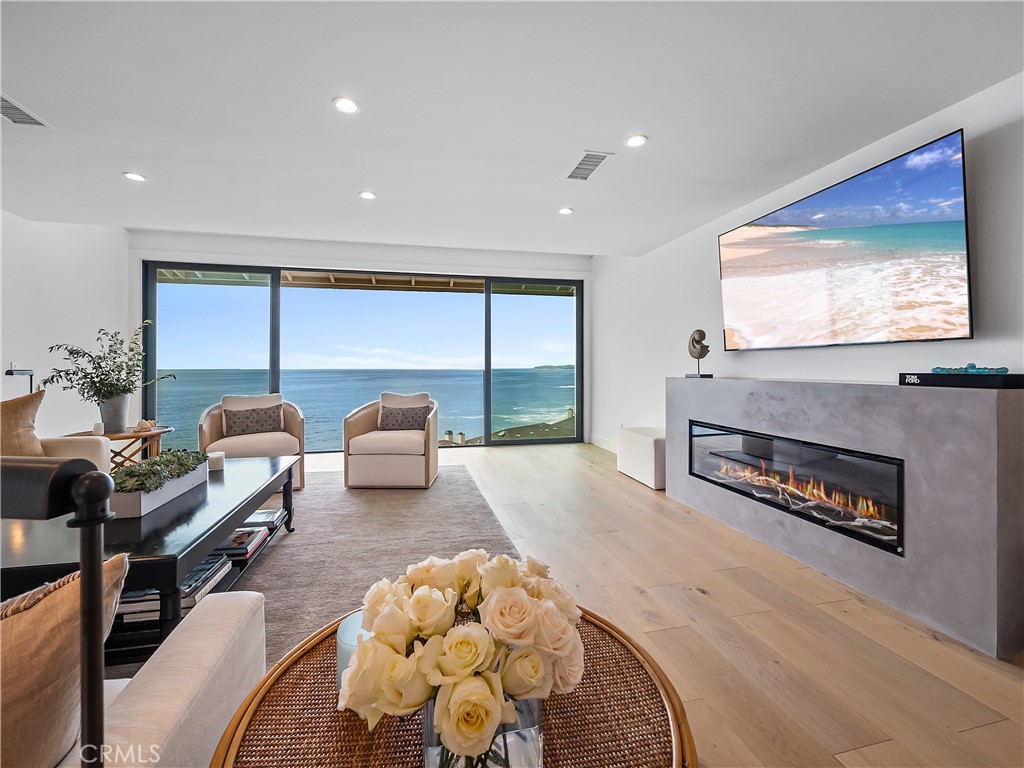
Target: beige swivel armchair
pixel 390 458
pixel 289 441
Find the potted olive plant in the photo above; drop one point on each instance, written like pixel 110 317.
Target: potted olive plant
pixel 106 377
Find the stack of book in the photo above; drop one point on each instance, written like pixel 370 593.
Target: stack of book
pixel 270 518
pixel 144 604
pixel 241 544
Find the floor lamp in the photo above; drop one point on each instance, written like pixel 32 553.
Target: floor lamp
pixel 41 489
pixel 12 371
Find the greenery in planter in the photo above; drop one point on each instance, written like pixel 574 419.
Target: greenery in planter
pixel 156 471
pixel 114 370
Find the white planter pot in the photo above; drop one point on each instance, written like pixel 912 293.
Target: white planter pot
pixel 138 503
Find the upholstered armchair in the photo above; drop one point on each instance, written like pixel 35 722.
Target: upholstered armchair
pixel 380 453
pixel 251 425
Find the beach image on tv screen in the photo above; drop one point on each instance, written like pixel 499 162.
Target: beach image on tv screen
pixel 879 257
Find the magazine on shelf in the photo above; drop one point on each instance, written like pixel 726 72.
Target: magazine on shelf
pixel 150 611
pixel 134 618
pixel 271 518
pixel 211 567
pixel 139 606
pixel 199 582
pixel 242 543
pixel 207 586
pixel 138 600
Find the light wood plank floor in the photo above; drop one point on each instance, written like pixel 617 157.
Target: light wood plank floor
pixel 777 664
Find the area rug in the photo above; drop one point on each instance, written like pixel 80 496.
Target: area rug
pixel 345 540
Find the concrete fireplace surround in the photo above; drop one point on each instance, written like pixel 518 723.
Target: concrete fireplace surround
pixel 963 569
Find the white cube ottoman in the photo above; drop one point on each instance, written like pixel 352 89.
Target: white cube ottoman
pixel 642 455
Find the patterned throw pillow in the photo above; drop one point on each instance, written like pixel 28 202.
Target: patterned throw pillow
pixel 253 420
pixel 403 418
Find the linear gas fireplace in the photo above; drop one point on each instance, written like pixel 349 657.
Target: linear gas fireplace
pixel 854 493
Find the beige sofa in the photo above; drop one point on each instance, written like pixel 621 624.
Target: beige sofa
pixel 175 709
pixel 18 435
pixel 403 458
pixel 288 442
pixel 93 448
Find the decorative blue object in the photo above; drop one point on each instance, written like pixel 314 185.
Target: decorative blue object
pixel 971 368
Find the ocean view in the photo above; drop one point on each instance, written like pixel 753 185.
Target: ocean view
pixel 793 286
pixel 520 396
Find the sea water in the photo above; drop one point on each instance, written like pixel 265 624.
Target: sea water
pixel 887 240
pixel 519 396
pixel 849 284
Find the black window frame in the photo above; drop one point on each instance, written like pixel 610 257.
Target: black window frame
pixel 150 311
pixel 578 362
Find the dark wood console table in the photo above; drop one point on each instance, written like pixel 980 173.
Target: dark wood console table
pixel 163 546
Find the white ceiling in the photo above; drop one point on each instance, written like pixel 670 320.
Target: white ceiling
pixel 473 113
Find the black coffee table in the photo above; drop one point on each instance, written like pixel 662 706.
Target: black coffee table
pixel 162 546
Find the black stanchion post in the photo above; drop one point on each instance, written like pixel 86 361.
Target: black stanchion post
pixel 91 493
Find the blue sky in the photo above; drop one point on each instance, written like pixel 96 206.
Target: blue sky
pixel 212 326
pixel 922 186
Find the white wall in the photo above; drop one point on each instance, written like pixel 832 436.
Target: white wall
pixel 645 309
pixel 61 283
pixel 153 245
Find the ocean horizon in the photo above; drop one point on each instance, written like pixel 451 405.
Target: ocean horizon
pixel 854 284
pixel 931 237
pixel 520 396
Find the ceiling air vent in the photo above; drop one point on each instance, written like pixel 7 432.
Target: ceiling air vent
pixel 588 165
pixel 16 114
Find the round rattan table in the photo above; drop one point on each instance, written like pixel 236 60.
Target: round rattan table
pixel 624 712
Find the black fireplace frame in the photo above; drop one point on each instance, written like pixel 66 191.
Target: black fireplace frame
pixel 896 548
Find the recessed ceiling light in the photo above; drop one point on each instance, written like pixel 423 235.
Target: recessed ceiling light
pixel 133 176
pixel 565 211
pixel 636 141
pixel 346 105
pixel 368 195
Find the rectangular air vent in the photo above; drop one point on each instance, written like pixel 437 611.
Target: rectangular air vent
pixel 585 167
pixel 16 114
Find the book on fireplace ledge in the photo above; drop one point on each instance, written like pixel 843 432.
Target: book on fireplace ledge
pixel 964 380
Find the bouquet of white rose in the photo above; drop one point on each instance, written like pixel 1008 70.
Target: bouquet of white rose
pixel 473 633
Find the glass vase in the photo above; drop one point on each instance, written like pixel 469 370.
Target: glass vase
pixel 515 745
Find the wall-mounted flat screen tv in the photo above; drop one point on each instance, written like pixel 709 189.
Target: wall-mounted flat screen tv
pixel 880 257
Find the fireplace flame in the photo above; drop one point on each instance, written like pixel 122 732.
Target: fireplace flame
pixel 860 506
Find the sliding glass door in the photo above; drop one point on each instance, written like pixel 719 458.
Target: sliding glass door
pixel 502 357
pixel 213 333
pixel 534 361
pixel 347 337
